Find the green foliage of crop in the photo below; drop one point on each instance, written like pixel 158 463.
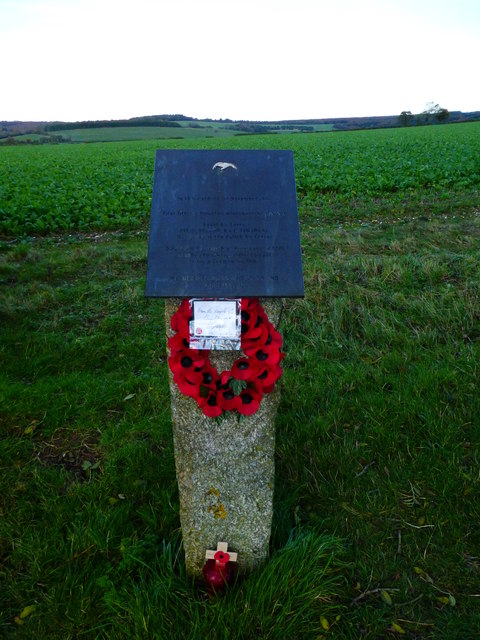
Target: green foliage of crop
pixel 63 187
pixel 390 160
pixel 108 185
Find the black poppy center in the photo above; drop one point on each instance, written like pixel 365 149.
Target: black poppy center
pixel 261 355
pixel 269 340
pixel 186 362
pixel 228 395
pixel 207 378
pixel 246 398
pixel 212 401
pixel 245 316
pixel 243 365
pixel 263 375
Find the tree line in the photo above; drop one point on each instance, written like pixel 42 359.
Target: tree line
pixel 147 121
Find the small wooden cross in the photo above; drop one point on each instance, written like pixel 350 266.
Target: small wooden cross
pixel 221 556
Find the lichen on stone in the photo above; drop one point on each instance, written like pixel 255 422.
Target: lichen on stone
pixel 218 510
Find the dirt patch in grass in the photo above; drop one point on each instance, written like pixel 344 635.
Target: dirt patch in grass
pixel 73 451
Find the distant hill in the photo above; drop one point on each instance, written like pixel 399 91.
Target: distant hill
pixel 180 126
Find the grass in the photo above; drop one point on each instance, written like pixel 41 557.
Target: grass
pixel 377 491
pixel 119 134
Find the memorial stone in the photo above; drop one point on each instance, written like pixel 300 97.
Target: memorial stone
pixel 224 226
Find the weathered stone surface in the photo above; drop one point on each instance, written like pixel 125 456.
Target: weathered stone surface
pixel 225 469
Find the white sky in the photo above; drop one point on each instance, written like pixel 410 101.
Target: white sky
pixel 238 59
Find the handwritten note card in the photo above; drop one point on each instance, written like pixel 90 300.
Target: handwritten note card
pixel 216 324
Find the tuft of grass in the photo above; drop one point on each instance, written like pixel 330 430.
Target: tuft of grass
pixel 296 589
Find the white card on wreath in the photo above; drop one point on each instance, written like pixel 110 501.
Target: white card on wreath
pixel 216 324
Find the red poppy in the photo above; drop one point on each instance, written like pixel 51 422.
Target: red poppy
pixel 258 337
pixel 250 399
pixel 222 557
pixel 267 377
pixel 265 355
pixel 178 342
pixel 193 376
pixel 210 406
pixel 249 317
pixel 185 309
pixel 249 303
pixel 225 377
pixel 188 359
pixel 191 389
pixel 181 318
pixel 243 369
pixel 209 376
pixel 251 321
pixel 228 400
pixel 275 337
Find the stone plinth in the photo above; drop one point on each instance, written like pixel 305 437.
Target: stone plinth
pixel 225 468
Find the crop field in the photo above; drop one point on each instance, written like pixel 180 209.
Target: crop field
pixel 377 486
pixel 105 186
pixel 186 130
pixel 109 134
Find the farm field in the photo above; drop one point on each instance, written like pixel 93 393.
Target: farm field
pixel 187 130
pixel 377 494
pixel 118 134
pixel 107 186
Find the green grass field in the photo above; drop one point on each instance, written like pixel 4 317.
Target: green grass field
pixel 199 129
pixel 377 492
pixel 119 134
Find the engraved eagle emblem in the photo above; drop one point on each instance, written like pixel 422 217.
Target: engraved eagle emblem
pixel 224 165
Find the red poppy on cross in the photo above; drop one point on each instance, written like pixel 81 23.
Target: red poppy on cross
pixel 221 556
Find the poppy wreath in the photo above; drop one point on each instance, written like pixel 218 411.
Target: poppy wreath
pixel 252 375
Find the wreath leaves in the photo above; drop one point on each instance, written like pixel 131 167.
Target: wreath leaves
pixel 237 386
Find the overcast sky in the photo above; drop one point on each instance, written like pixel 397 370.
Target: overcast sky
pixel 238 59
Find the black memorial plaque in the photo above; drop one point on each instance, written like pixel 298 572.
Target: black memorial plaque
pixel 224 224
